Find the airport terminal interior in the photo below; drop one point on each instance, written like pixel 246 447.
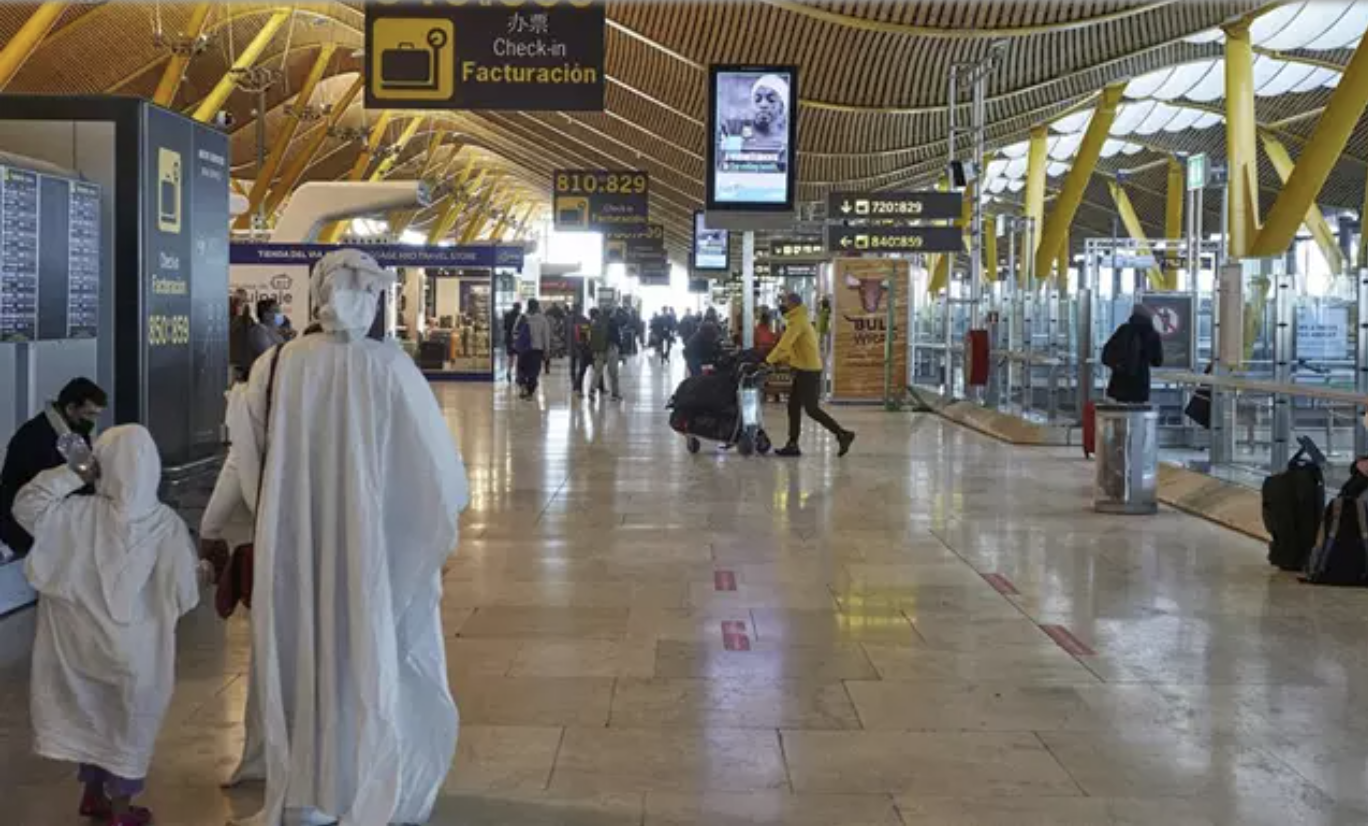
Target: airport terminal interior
pixel 1044 585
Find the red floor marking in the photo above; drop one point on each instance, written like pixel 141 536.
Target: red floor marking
pixel 1067 641
pixel 724 580
pixel 1002 585
pixel 734 637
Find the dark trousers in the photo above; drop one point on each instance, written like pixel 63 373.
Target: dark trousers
pixel 584 359
pixel 806 397
pixel 529 370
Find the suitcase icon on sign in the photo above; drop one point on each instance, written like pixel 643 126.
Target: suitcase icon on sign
pixel 411 68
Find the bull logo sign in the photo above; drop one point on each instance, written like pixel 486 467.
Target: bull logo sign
pixel 871 290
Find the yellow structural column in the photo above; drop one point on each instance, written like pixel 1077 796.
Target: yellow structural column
pixel 25 41
pixel 300 162
pixel 1318 157
pixel 480 216
pixel 1314 220
pixel 446 220
pixel 1037 161
pixel 1173 218
pixel 1242 150
pixel 333 231
pixel 1071 195
pixel 990 249
pixel 175 67
pixel 939 265
pixel 1062 266
pixel 393 157
pixel 281 143
pixel 246 60
pixel 1131 220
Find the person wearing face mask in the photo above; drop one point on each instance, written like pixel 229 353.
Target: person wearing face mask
pixel 33 449
pixel 346 476
pixel 266 333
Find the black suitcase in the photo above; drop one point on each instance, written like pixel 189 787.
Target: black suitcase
pixel 1293 503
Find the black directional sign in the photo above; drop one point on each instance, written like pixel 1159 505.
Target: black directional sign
pixel 796 248
pixel 893 206
pixel 847 239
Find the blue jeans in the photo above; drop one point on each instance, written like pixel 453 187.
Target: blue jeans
pixel 113 785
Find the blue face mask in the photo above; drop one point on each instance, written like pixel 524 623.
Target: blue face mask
pixel 278 320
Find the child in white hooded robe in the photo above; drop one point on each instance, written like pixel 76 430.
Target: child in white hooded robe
pixel 114 571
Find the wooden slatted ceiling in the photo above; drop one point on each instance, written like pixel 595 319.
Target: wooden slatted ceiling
pixel 873 113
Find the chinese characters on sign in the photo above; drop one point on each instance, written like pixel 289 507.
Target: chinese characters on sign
pixel 546 56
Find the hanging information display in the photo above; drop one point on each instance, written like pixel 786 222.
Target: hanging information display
pixel 860 325
pixel 599 200
pixel 893 206
pixel 711 247
pixel 752 124
pixel 640 244
pixel 543 56
pixel 847 239
pixel 796 248
pixel 49 257
pixel 796 270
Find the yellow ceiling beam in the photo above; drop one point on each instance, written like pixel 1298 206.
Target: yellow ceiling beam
pixel 25 41
pixel 333 231
pixel 393 157
pixel 300 163
pixel 1131 220
pixel 262 185
pixel 1318 157
pixel 1242 148
pixel 1173 216
pixel 174 72
pixel 480 216
pixel 214 101
pixel 1037 161
pixel 446 220
pixel 1057 224
pixel 1314 221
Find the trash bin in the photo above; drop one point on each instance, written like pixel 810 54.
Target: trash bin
pixel 1127 459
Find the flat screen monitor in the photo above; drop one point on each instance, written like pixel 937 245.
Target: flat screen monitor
pixel 711 247
pixel 752 124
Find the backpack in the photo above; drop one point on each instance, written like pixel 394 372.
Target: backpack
pixel 1124 353
pixel 522 336
pixel 1341 554
pixel 1293 502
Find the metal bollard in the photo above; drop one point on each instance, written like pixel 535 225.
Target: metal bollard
pixel 1127 459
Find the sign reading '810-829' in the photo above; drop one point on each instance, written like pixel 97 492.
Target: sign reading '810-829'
pixel 599 200
pixel 510 54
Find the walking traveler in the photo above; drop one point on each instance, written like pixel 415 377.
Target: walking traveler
pixel 797 348
pixel 532 340
pixel 1131 351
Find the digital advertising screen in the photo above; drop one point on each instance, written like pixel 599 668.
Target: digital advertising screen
pixel 711 248
pixel 753 120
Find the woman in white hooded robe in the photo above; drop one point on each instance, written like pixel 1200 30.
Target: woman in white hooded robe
pixel 115 571
pixel 360 493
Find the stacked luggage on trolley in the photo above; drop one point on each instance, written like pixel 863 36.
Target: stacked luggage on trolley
pixel 723 404
pixel 1327 543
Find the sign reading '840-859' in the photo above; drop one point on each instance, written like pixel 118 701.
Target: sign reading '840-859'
pixel 511 54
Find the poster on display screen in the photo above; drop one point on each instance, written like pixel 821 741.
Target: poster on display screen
pixel 860 325
pixel 711 247
pixel 1322 333
pixel 752 121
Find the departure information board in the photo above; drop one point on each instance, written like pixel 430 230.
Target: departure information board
pixel 49 257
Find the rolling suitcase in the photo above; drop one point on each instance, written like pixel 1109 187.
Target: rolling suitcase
pixel 1293 505
pixel 1089 429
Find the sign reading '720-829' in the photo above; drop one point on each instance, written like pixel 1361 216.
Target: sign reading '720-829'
pixel 893 206
pixel 543 55
pixel 599 200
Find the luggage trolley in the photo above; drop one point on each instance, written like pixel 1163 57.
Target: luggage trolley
pixel 746 431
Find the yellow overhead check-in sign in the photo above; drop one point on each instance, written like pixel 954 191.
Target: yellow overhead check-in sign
pixel 530 56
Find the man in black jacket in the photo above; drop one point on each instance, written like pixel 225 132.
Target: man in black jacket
pixel 33 449
pixel 1132 350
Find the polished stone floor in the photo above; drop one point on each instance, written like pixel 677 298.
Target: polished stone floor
pixel 934 630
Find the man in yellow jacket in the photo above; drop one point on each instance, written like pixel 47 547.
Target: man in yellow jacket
pixel 798 349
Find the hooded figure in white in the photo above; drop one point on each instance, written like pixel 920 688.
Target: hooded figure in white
pixel 360 495
pixel 115 572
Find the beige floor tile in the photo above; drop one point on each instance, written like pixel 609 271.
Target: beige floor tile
pixel 1094 811
pixel 975 635
pixel 626 760
pixel 584 658
pixel 731 704
pixel 574 623
pixel 923 763
pixel 534 701
pixel 769 809
pixel 503 758
pixel 817 663
pixel 828 627
pixel 484 656
pixel 1155 765
pixel 537 809
pixel 1021 665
